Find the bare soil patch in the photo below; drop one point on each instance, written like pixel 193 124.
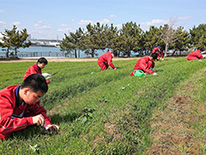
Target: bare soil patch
pixel 172 129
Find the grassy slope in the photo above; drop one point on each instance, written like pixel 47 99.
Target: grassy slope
pixel 123 106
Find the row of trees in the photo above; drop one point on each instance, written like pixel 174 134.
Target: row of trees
pixel 130 38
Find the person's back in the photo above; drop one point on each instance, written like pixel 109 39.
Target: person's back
pixel 195 55
pixel 105 60
pixel 106 57
pixel 145 63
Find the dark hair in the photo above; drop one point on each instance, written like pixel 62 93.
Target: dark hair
pixel 153 55
pixel 115 53
pixel 201 49
pixel 160 48
pixel 42 60
pixel 35 82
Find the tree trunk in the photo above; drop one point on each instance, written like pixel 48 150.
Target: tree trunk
pixel 79 53
pixel 93 53
pixel 7 52
pixel 75 53
pixel 166 49
pixel 15 53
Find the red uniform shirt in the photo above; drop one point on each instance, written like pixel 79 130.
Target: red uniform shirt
pixel 33 69
pixel 144 64
pixel 195 55
pixel 106 58
pixel 15 116
pixel 156 50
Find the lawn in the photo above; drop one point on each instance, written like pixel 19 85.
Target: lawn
pixel 107 112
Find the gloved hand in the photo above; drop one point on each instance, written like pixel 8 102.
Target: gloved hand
pixel 152 69
pixel 154 74
pixel 115 68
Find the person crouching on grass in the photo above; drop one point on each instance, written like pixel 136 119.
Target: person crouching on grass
pixel 20 106
pixel 159 51
pixel 106 59
pixel 196 55
pixel 37 68
pixel 145 63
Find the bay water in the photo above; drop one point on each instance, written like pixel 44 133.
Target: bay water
pixel 38 51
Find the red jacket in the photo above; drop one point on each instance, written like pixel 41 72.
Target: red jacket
pixel 33 69
pixel 107 58
pixel 156 50
pixel 15 116
pixel 195 55
pixel 144 64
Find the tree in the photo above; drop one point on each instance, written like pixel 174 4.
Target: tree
pixel 198 36
pixel 14 39
pixel 151 39
pixel 94 38
pixel 129 38
pixel 168 34
pixel 183 42
pixel 72 42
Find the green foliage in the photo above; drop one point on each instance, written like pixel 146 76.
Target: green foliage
pixel 198 36
pixel 14 39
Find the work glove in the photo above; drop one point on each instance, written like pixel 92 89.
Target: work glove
pixel 152 69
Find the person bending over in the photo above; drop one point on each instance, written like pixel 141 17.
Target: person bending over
pixel 145 63
pixel 105 60
pixel 159 51
pixel 196 55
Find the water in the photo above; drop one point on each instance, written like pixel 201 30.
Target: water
pixel 37 51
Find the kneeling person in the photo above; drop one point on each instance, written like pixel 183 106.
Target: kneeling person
pixel 145 63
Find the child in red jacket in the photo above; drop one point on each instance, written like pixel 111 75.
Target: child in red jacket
pixel 196 55
pixel 36 68
pixel 106 59
pixel 158 50
pixel 20 106
pixel 145 63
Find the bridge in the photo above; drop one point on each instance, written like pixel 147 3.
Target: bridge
pixel 45 42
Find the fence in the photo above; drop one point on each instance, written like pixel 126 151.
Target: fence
pixel 36 54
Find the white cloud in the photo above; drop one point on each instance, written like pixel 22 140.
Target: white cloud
pixel 39 21
pixel 1 10
pixel 155 22
pixel 85 22
pixel 184 18
pixel 64 30
pixel 42 26
pixel 104 21
pixel 16 23
pixel 64 25
pixel 2 23
pixel 112 16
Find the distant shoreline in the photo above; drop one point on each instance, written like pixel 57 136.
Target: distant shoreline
pixel 62 59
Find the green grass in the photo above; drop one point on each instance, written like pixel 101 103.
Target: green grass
pixel 123 106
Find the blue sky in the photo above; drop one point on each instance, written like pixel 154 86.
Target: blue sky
pixel 51 19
